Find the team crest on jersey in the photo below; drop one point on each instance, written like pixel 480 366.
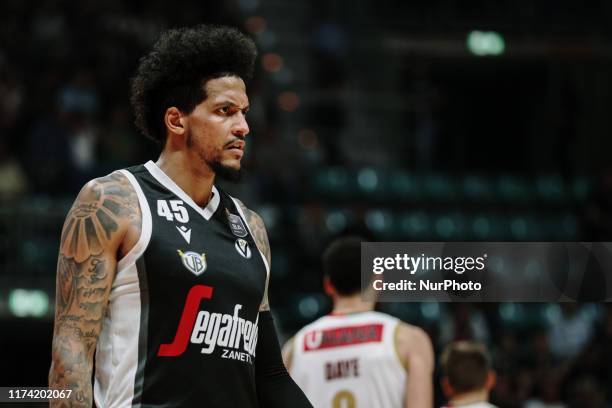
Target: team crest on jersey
pixel 236 225
pixel 313 340
pixel 194 262
pixel 243 248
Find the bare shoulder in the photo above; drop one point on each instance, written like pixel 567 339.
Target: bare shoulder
pixel 413 342
pixel 258 230
pixel 412 337
pixel 100 217
pixel 410 332
pixel 287 352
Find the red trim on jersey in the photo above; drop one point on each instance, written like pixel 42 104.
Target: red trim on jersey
pixel 343 336
pixel 343 314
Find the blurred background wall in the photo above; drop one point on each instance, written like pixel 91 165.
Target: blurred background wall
pixel 413 121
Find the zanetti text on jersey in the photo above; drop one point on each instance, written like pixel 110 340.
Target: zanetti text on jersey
pixel 225 330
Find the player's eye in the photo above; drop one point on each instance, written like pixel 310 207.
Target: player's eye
pixel 225 110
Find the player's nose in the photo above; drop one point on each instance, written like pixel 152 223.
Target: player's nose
pixel 241 127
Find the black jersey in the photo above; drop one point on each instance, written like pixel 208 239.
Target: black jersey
pixel 181 327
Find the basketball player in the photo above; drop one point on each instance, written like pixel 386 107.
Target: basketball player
pixel 467 377
pixel 356 357
pixel 161 273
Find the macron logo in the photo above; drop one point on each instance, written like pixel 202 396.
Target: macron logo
pixel 185 232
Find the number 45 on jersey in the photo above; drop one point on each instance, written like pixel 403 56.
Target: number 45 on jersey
pixel 175 210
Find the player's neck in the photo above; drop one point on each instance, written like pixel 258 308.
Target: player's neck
pixel 469 398
pixel 351 304
pixel 196 183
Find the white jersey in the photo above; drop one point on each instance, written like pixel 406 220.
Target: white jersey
pixel 349 361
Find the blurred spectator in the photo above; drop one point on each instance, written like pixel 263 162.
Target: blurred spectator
pixel 548 392
pixel 13 182
pixel 506 355
pixel 587 392
pixel 49 30
pixel 538 348
pixel 11 98
pixel 426 126
pixel 512 362
pixel 570 331
pixel 595 360
pixel 79 101
pixel 61 147
pixel 310 226
pixel 504 393
pixel 79 95
pixel 467 375
pixel 330 44
pixel 47 156
pixel 330 51
pixel 464 322
pixel 120 145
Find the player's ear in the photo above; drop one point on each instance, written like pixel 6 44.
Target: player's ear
pixel 328 287
pixel 447 389
pixel 491 380
pixel 175 121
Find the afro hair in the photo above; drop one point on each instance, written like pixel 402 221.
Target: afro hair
pixel 175 72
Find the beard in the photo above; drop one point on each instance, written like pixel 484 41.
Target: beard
pixel 227 173
pixel 221 171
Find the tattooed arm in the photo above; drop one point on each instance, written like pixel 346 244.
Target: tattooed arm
pixel 273 383
pixel 98 227
pixel 261 239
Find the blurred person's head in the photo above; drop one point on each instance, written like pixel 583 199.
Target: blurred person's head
pixel 342 267
pixel 189 95
pixel 466 372
pixel 342 274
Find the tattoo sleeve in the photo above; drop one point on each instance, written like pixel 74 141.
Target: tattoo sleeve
pixel 92 233
pixel 258 229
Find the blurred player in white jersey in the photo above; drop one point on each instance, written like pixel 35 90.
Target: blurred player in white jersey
pixel 356 357
pixel 467 376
